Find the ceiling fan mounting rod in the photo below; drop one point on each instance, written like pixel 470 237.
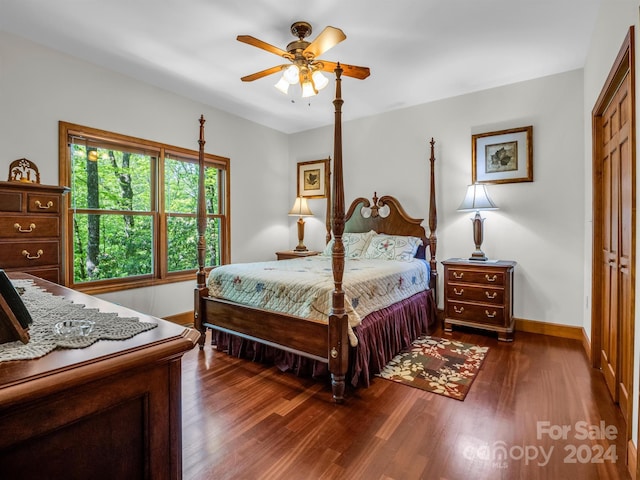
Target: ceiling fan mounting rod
pixel 301 29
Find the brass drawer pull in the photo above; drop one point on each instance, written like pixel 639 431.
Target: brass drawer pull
pixel 490 315
pixel 28 256
pixel 458 310
pixel 491 279
pixel 19 228
pixel 455 290
pixel 458 275
pixel 491 295
pixel 46 207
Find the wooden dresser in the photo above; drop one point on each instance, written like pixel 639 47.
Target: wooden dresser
pixel 110 410
pixel 479 295
pixel 31 229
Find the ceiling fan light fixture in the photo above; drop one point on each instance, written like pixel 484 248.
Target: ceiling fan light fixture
pixel 308 89
pixel 292 74
pixel 282 85
pixel 319 80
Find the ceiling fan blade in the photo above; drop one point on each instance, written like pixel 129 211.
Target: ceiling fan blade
pixel 349 70
pixel 328 38
pixel 263 73
pixel 248 39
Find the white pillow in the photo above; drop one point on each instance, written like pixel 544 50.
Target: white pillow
pixel 354 244
pixel 393 247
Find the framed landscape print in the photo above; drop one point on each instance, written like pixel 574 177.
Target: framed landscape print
pixel 313 178
pixel 504 156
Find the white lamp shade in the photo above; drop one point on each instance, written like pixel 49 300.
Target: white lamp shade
pixel 319 80
pixel 282 85
pixel 476 199
pixel 292 75
pixel 308 90
pixel 300 208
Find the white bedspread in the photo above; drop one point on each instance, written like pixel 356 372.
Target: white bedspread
pixel 303 286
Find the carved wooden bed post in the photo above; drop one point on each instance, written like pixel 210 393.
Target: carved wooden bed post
pixel 202 244
pixel 433 223
pixel 338 344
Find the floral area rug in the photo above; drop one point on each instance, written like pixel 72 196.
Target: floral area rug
pixel 437 365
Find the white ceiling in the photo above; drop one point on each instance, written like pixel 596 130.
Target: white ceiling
pixel 418 50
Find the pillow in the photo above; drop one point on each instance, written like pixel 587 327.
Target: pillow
pixel 393 247
pixel 354 244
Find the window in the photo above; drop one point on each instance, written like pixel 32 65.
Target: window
pixel 132 210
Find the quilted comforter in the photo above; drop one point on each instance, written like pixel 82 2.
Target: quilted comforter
pixel 303 287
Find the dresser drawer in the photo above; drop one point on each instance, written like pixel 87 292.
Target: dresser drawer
pixel 33 253
pixel 43 203
pixel 469 293
pixel 10 202
pixel 52 274
pixel 29 227
pixel 473 276
pixel 485 314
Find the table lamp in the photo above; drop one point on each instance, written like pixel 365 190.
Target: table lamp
pixel 300 209
pixel 477 199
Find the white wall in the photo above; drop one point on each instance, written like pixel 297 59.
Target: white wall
pixel 39 87
pixel 614 20
pixel 539 224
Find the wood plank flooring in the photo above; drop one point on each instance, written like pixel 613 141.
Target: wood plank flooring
pixel 535 411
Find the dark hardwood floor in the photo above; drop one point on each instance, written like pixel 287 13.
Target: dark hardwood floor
pixel 243 420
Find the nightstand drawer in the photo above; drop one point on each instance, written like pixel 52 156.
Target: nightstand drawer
pixel 485 314
pixel 468 293
pixel 474 276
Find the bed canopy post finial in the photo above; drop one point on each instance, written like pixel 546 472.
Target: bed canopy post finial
pixel 433 224
pixel 338 346
pixel 202 244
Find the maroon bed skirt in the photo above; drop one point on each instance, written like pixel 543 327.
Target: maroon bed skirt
pixel 381 335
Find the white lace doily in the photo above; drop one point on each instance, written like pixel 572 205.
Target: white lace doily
pixel 47 309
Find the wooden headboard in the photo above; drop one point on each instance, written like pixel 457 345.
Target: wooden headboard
pixel 384 215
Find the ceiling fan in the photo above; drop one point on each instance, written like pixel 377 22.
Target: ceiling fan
pixel 305 67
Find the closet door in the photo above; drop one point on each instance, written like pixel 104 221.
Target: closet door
pixel 616 348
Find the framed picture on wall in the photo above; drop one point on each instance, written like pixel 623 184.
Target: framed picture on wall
pixel 505 156
pixel 313 178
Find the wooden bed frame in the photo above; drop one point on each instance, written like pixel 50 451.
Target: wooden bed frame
pixel 317 340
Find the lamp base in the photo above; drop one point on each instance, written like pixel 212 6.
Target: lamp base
pixel 478 256
pixel 300 248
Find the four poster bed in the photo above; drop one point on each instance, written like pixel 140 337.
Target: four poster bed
pixel 336 330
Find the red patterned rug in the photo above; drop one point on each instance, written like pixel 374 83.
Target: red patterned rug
pixel 437 365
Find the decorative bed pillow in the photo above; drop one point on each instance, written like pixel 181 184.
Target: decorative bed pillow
pixel 392 247
pixel 355 244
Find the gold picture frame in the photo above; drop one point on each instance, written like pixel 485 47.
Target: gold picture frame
pixel 313 178
pixel 505 156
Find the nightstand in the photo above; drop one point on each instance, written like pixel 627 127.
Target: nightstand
pixel 295 254
pixel 480 295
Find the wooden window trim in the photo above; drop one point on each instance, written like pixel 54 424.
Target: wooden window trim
pixel 158 150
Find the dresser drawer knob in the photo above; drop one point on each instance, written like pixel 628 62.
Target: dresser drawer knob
pixel 458 310
pixel 19 228
pixel 491 279
pixel 458 292
pixel 28 256
pixel 490 315
pixel 491 295
pixel 45 207
pixel 458 275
